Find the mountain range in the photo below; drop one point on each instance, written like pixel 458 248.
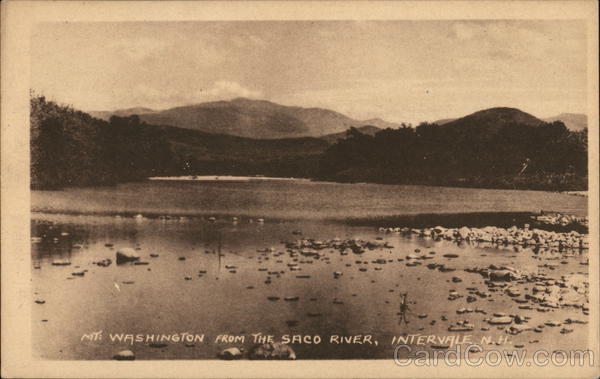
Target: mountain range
pixel 70 147
pixel 250 118
pixel 264 119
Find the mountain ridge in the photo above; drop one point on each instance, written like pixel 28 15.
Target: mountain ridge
pixel 250 118
pixel 573 121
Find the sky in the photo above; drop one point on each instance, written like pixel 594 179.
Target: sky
pixel 402 71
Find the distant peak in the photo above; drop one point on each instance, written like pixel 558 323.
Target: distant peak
pixel 248 100
pixel 500 109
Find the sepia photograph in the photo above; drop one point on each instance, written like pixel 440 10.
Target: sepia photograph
pixel 415 190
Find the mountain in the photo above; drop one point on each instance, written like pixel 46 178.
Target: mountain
pixel 486 149
pixel 250 118
pixel 105 115
pixel 492 148
pixel 367 129
pixel 573 121
pixel 489 121
pixel 381 124
pixel 71 148
pixel 444 121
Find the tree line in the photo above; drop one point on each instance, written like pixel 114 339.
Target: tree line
pixel 515 155
pixel 71 148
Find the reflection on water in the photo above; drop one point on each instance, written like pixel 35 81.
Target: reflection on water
pixel 296 199
pixel 238 278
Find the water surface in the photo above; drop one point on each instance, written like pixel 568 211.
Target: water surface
pixel 215 277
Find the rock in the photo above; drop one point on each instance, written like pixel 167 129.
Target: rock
pixel 520 319
pixel 456 279
pixel 463 232
pixel 78 273
pixel 127 254
pixel 40 301
pixel 125 355
pixel 230 354
pixel 502 275
pixel 61 262
pixel 461 326
pixel 553 323
pixel 273 350
pixel 450 255
pixel 153 255
pixel 104 263
pixel 500 320
pixel 443 268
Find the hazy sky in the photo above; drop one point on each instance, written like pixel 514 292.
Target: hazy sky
pixel 397 70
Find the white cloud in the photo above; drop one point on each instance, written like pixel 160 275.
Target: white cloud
pixel 161 98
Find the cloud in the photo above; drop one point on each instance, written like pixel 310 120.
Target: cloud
pixel 161 98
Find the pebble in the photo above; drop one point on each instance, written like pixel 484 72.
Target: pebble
pixel 230 354
pixel 124 355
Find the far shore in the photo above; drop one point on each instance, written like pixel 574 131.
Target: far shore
pixel 220 178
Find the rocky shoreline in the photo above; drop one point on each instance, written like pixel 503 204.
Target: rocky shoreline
pixel 541 292
pixel 523 237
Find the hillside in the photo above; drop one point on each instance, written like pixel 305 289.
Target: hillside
pixel 369 130
pixel 491 120
pixel 492 148
pixel 444 121
pixel 72 148
pixel 250 118
pixel 573 121
pixel 105 115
